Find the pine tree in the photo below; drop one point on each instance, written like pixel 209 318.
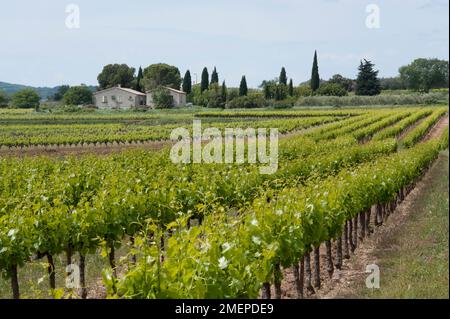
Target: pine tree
pixel 214 77
pixel 291 88
pixel 224 92
pixel 367 82
pixel 187 83
pixel 315 78
pixel 139 84
pixel 204 85
pixel 283 77
pixel 243 89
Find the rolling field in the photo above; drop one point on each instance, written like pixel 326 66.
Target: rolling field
pixel 137 225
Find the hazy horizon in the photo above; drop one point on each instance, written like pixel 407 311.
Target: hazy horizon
pixel 252 38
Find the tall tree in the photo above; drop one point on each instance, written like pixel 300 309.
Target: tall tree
pixel 315 78
pixel 425 74
pixel 243 89
pixel 116 74
pixel 60 93
pixel 283 76
pixel 139 79
pixel 214 76
pixel 162 74
pixel 26 98
pixel 187 83
pixel 367 82
pixel 291 88
pixel 78 95
pixel 204 85
pixel 224 92
pixel 346 83
pixel 4 99
pixel 267 92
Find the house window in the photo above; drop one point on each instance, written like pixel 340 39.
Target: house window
pixel 130 98
pixel 104 99
pixel 119 99
pixel 113 97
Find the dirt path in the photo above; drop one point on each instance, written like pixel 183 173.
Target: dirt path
pixel 437 129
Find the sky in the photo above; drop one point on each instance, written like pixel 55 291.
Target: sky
pixel 240 37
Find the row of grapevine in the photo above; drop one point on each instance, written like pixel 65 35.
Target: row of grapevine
pixel 420 130
pixel 77 204
pixel 397 129
pixel 347 129
pixel 80 134
pixel 235 256
pixel 368 131
pixel 281 114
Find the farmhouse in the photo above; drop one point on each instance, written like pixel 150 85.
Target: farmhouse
pixel 119 98
pixel 124 98
pixel 179 97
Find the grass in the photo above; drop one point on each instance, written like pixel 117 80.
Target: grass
pixel 415 262
pixel 34 281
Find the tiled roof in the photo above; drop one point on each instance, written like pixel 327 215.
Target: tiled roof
pixel 173 90
pixel 123 89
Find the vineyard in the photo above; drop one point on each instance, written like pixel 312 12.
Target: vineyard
pixel 209 230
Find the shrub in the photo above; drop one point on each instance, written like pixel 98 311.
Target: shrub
pixel 4 99
pixel 246 102
pixel 162 98
pixel 78 95
pixel 303 90
pixel 73 109
pixel 232 94
pixel 26 99
pixel 331 89
pixel 402 99
pixel 285 104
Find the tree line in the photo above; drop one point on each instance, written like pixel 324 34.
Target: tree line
pixel 421 75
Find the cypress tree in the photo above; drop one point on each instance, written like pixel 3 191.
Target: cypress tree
pixel 278 93
pixel 214 77
pixel 187 83
pixel 267 92
pixel 204 85
pixel 243 89
pixel 283 77
pixel 367 82
pixel 224 92
pixel 140 76
pixel 315 78
pixel 291 88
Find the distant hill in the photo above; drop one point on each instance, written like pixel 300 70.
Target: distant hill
pixel 44 92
